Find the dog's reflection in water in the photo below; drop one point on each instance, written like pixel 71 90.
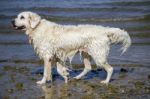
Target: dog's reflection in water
pixel 48 91
pixel 55 91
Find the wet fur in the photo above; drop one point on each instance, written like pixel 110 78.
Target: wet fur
pixel 50 39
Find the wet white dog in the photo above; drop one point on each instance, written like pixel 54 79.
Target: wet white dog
pixel 51 40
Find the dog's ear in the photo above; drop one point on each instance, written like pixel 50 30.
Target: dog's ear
pixel 34 19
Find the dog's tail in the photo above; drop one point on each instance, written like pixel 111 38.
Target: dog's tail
pixel 117 35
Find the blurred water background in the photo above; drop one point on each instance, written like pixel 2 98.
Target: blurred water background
pixel 131 15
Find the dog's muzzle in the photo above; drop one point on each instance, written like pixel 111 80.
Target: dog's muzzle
pixel 13 23
pixel 17 27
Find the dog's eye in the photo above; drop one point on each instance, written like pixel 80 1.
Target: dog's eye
pixel 22 17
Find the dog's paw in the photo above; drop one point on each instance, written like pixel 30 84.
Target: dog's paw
pixel 41 82
pixel 65 71
pixel 77 77
pixel 104 82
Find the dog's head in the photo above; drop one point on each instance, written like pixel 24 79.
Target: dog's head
pixel 26 20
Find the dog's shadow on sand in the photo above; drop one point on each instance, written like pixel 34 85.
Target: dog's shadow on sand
pixel 99 73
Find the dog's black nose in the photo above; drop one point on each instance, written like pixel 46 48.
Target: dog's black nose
pixel 13 22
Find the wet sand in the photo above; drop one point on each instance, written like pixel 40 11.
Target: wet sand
pixel 128 81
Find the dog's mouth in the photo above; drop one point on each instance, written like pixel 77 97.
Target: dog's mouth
pixel 18 27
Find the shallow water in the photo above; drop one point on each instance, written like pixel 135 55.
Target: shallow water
pixel 131 15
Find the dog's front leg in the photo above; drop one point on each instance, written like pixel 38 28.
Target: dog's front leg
pixel 47 75
pixel 63 71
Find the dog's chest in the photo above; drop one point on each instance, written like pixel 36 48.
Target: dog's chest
pixel 42 46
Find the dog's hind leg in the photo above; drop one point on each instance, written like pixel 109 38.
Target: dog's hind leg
pixel 86 60
pixel 109 70
pixel 101 60
pixel 99 52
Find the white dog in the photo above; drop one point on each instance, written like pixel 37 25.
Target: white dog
pixel 51 40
